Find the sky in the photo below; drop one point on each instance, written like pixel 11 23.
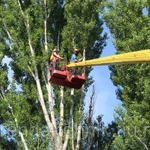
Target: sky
pixel 105 92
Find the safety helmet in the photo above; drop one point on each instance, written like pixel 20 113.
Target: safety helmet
pixel 55 50
pixel 76 50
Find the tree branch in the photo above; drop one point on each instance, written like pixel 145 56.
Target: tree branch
pixel 79 135
pixel 80 119
pixel 31 72
pixel 69 124
pixel 23 140
pixel 16 122
pixel 79 130
pixel 6 29
pixel 41 98
pixel 45 28
pixel 71 115
pixel 90 117
pixel 142 142
pixel 48 85
pixel 61 112
pixel 2 93
pixel 56 137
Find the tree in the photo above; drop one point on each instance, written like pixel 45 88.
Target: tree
pixel 95 134
pixel 30 30
pixel 128 22
pixel 132 134
pixel 7 144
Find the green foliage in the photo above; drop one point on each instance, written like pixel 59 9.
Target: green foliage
pixel 97 135
pixel 134 130
pixel 83 29
pixel 6 144
pixel 25 115
pixel 129 25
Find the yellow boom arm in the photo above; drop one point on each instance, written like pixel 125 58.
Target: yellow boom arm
pixel 142 56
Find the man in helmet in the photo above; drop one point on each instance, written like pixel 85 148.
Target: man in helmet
pixel 54 59
pixel 74 58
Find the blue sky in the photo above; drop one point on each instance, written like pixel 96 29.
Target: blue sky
pixel 105 95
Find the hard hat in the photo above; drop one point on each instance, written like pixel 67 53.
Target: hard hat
pixel 76 50
pixel 55 50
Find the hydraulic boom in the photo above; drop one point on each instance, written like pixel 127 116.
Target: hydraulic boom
pixel 142 56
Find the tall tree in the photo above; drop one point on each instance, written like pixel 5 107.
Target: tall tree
pixel 39 113
pixel 95 134
pixel 128 22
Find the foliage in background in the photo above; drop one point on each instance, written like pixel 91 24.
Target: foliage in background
pixel 128 22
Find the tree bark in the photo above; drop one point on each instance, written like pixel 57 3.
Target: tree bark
pixel 69 124
pixel 61 112
pixel 79 136
pixel 23 140
pixel 72 121
pixel 80 119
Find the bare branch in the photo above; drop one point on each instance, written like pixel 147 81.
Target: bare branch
pixel 50 102
pixel 36 76
pixel 31 71
pixel 142 142
pixel 7 31
pixel 69 124
pixel 66 140
pixel 58 40
pixel 2 93
pixel 51 124
pixel 16 122
pixel 81 117
pixel 23 140
pixel 45 28
pixel 61 112
pixel 79 131
pixel 79 135
pixel 44 77
pixel 90 118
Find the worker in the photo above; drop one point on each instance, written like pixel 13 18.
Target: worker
pixel 54 59
pixel 74 58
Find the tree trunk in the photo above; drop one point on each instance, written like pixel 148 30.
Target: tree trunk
pixel 61 112
pixel 23 140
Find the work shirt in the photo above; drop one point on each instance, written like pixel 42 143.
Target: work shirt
pixel 53 58
pixel 73 58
